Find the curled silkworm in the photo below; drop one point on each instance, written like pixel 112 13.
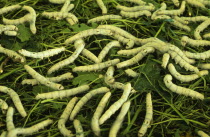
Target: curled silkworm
pixel 103 18
pixel 41 79
pixel 180 25
pixel 149 7
pixel 181 90
pixel 52 79
pixel 43 54
pixel 131 73
pixel 99 110
pixel 204 66
pixel 90 55
pixel 78 128
pixel 186 40
pixel 64 117
pixel 194 19
pixel 15 98
pixel 185 78
pixel 9 119
pixel 196 3
pixel 176 2
pixel 63 93
pixel 102 6
pixel 200 28
pixel 135 14
pixel 96 67
pixel 148 116
pixel 118 122
pixel 3 105
pixel 57 1
pixel 203 55
pixel 202 134
pixel 9 8
pixel 85 99
pixel 139 2
pixel 115 106
pixel 165 60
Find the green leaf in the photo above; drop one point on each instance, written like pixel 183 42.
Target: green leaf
pixel 84 78
pixel 24 33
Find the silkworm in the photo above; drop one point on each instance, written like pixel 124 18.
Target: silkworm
pixel 200 28
pixel 130 43
pixel 154 14
pixel 52 79
pixel 119 85
pixel 78 128
pixel 63 93
pixel 102 6
pixel 129 52
pixel 33 18
pixel 43 54
pixel 86 33
pixel 148 116
pixel 204 66
pixel 41 79
pixel 203 55
pixel 118 122
pixel 99 110
pixel 67 6
pixel 25 18
pixel 90 55
pixel 3 105
pixel 139 2
pixel 8 28
pixel 109 79
pixel 176 2
pixel 185 78
pixel 195 3
pixel 9 119
pixel 194 19
pixel 131 73
pixel 180 25
pixel 57 1
pixel 181 20
pixel 106 49
pixel 15 98
pixel 64 117
pixel 115 106
pixel 181 90
pixel 85 99
pixel 202 134
pixel 104 18
pixel 9 8
pixel 186 40
pixel 96 67
pixel 79 45
pixel 165 60
pixel 150 7
pixel 10 33
pixel 12 54
pixel 207 35
pixel 135 14
pixel 136 58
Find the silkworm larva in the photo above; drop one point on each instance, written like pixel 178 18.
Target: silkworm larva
pixel 43 54
pixel 52 79
pixel 150 7
pixel 174 12
pixel 204 66
pixel 195 3
pixel 64 117
pixel 202 134
pixel 115 106
pixel 180 25
pixel 181 90
pixel 10 33
pixel 9 8
pixel 139 2
pixel 103 18
pixel 9 119
pixel 41 79
pixel 12 54
pixel 96 67
pixel 180 20
pixel 185 78
pixel 63 93
pixel 33 18
pixel 99 110
pixel 176 2
pixel 57 1
pixel 66 6
pixel 136 58
pixel 131 73
pixel 102 6
pixel 109 79
pixel 165 60
pixel 129 52
pixel 194 19
pixel 161 46
pixel 186 40
pixel 106 49
pixel 4 106
pixel 129 42
pixel 90 55
pixel 89 32
pixel 78 128
pixel 135 14
pixel 200 28
pixel 15 98
pixel 148 117
pixel 21 20
pixel 85 99
pixel 203 55
pixel 79 45
pixel 118 122
pixel 207 35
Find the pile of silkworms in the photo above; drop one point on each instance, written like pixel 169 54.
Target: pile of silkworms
pixel 127 45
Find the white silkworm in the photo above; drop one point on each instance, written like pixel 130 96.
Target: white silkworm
pixel 33 18
pixel 181 90
pixel 106 49
pixel 9 8
pixel 99 110
pixel 194 19
pixel 85 99
pixel 96 67
pixel 139 2
pixel 186 40
pixel 41 79
pixel 57 1
pixel 203 55
pixel 109 79
pixel 148 116
pixel 181 20
pixel 104 18
pixel 207 35
pixel 118 122
pixel 176 2
pixel 43 54
pixel 180 25
pixel 90 55
pixel 150 7
pixel 131 73
pixel 64 117
pixel 10 33
pixel 52 79
pixel 21 20
pixel 185 78
pixel 165 60
pixel 9 119
pixel 136 58
pixel 102 6
pixel 63 93
pixel 4 106
pixel 129 52
pixel 135 14
pixel 202 134
pixel 15 98
pixel 195 3
pixel 12 54
pixel 115 106
pixel 67 6
pixel 200 28
pixel 204 66
pixel 79 45
pixel 78 128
